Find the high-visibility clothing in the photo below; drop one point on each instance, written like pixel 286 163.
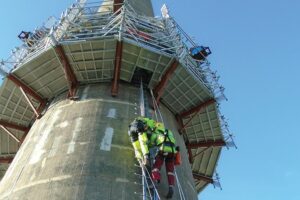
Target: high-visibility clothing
pixel 164 140
pixel 140 146
pixel 143 139
pixel 139 131
pixel 160 125
pixel 137 149
pixel 149 123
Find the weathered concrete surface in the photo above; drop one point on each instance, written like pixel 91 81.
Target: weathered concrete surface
pixel 143 7
pixel 81 150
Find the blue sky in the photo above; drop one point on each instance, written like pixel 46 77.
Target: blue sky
pixel 255 47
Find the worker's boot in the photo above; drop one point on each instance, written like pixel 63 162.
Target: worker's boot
pixel 170 193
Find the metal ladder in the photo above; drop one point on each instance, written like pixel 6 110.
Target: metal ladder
pixel 149 188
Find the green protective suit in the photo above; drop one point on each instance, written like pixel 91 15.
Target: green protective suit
pixel 150 123
pixel 164 140
pixel 140 146
pixel 139 136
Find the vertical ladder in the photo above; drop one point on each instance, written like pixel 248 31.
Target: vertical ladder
pixel 146 176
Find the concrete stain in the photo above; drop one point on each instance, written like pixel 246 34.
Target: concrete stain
pixel 107 139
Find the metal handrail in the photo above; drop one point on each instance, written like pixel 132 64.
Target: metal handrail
pixel 86 22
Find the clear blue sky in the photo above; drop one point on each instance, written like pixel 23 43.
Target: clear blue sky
pixel 256 50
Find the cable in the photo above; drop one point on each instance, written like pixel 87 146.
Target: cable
pixel 144 169
pixel 154 106
pixel 156 109
pixel 181 193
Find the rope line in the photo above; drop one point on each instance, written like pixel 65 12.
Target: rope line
pixel 156 109
pixel 151 181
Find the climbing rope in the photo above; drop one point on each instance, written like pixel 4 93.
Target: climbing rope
pixel 149 188
pixel 147 174
pixel 153 102
pixel 157 110
pixel 181 193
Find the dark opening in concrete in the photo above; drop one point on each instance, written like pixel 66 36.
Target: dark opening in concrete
pixel 141 74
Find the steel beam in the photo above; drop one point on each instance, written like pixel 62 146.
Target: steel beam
pixel 69 73
pixel 197 108
pixel 23 138
pixel 117 5
pixel 6 160
pixel 209 143
pixel 197 154
pixel 26 88
pixel 117 71
pixel 181 132
pixel 194 111
pixel 190 155
pixel 203 178
pixel 13 126
pixel 10 134
pixel 41 108
pixel 29 102
pixel 158 91
pixel 180 124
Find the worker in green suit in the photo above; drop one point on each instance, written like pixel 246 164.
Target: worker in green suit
pixel 164 140
pixel 140 130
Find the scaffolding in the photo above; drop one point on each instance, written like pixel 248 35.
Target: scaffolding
pixel 84 21
pixel 105 21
